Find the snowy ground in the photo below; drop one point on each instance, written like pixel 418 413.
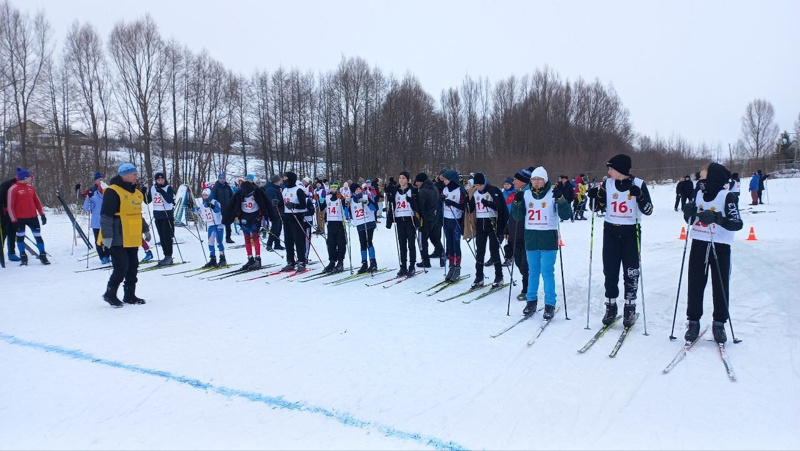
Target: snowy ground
pixel 230 364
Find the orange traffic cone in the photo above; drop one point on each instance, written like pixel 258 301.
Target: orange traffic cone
pixel 752 236
pixel 683 234
pixel 560 243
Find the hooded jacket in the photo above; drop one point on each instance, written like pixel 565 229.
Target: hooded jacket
pixel 716 180
pixel 539 240
pixel 234 209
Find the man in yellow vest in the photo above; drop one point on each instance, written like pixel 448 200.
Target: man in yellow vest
pixel 121 229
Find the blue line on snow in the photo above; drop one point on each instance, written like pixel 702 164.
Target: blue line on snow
pixel 272 401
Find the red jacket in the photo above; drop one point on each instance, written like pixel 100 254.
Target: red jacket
pixel 23 203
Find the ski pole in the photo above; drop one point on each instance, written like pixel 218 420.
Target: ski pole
pixel 88 227
pixel 396 237
pixel 309 241
pixel 197 228
pixel 641 276
pixel 589 297
pixel 172 226
pixel 513 260
pixel 722 289
pixel 561 260
pixel 680 279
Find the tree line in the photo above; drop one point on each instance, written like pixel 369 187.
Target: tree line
pixel 86 103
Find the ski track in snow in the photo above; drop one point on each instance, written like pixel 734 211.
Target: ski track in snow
pixel 150 376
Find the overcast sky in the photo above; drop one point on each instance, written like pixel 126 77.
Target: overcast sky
pixel 683 67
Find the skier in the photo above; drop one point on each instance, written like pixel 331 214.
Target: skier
pixel 762 178
pixel 162 196
pixel 491 215
pixel 714 218
pixel 581 190
pixel 273 192
pixel 121 229
pixel 402 210
pixel 362 210
pixel 93 203
pixel 566 189
pixel 508 195
pixel 249 205
pixel 9 230
pixel 428 208
pixel 320 194
pixel 625 198
pixel 293 207
pixel 308 218
pixel 23 204
pixel 439 223
pixel 211 212
pixel 223 193
pixel 735 186
pixel 515 230
pixel 754 188
pixel 336 239
pixel 540 208
pixel 454 197
pixel 683 192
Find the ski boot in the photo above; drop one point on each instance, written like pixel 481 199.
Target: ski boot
pixel 13 257
pixel 718 329
pixel 692 331
pixel 339 267
pixel 166 261
pixel 449 276
pixel 549 312
pixel 23 259
pixel 130 295
pixel 373 265
pixel 300 267
pixel 488 263
pixel 611 312
pixel 212 262
pixel 363 269
pixel 222 262
pixel 456 273
pixel 498 281
pixel 425 263
pixel 148 255
pixel 110 295
pixel 530 308
pixel 477 283
pixel 403 271
pixel 411 272
pixel 330 267
pixel 278 247
pixel 43 259
pixel 442 260
pixel 250 262
pixel 507 263
pixel 256 263
pixel 629 314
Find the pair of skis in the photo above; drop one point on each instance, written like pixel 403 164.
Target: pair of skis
pixel 491 291
pixel 600 333
pixel 436 288
pixel 356 277
pixel 723 354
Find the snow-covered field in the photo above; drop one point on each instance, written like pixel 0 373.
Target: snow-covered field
pixel 229 364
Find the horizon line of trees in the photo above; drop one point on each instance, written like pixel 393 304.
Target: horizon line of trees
pixel 169 107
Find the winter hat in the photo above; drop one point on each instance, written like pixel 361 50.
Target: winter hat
pixel 479 179
pixel 354 187
pixel 275 178
pixel 717 177
pixel 621 163
pixel 307 179
pixel 159 175
pixel 22 174
pixel 523 175
pixel 405 174
pixel 451 175
pixel 421 177
pixel 127 168
pixel 368 181
pixel 510 180
pixel 539 172
pixel 442 171
pixel 206 192
pixel 334 184
pixel 220 176
pixel 291 178
pixel 251 177
pixel 98 175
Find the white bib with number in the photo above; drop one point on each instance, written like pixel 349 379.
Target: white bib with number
pixel 290 196
pixel 335 212
pixel 209 216
pixel 159 204
pixel 361 213
pixel 249 204
pixel 621 206
pixel 482 211
pixel 402 205
pixel 541 213
pixel 704 232
pixel 455 196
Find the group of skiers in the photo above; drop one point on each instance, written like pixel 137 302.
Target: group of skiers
pixel 525 214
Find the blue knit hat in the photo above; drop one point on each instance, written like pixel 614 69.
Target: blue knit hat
pixel 127 168
pixel 221 176
pixel 22 174
pixel 98 175
pixel 251 177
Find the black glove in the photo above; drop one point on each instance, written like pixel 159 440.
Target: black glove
pixel 690 210
pixel 557 193
pixel 519 196
pixel 709 217
pixel 450 203
pixel 44 219
pixel 489 204
pixel 161 190
pixel 635 191
pixel 275 202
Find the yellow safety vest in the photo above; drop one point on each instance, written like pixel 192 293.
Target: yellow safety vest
pixel 130 216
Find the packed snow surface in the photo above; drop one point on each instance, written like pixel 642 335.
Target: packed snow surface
pixel 275 363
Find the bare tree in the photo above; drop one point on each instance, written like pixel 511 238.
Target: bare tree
pixel 137 50
pixel 759 131
pixel 25 51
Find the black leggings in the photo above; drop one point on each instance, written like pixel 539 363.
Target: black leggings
pixel 165 233
pixel 294 238
pixel 702 265
pixel 407 236
pixel 365 238
pixel 620 247
pixel 125 261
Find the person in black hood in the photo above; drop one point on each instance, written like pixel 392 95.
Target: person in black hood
pixel 249 204
pixel 162 196
pixel 273 191
pixel 713 219
pixel 684 191
pixel 491 215
pixel 293 208
pixel 223 193
pixel 454 197
pixel 735 186
pixel 762 178
pixel 428 207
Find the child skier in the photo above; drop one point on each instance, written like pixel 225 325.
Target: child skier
pixel 402 210
pixel 714 217
pixel 454 197
pixel 23 204
pixel 362 209
pixel 336 240
pixel 625 199
pixel 249 205
pixel 211 212
pixel 491 215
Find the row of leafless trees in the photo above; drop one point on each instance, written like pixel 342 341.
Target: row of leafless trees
pixel 136 97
